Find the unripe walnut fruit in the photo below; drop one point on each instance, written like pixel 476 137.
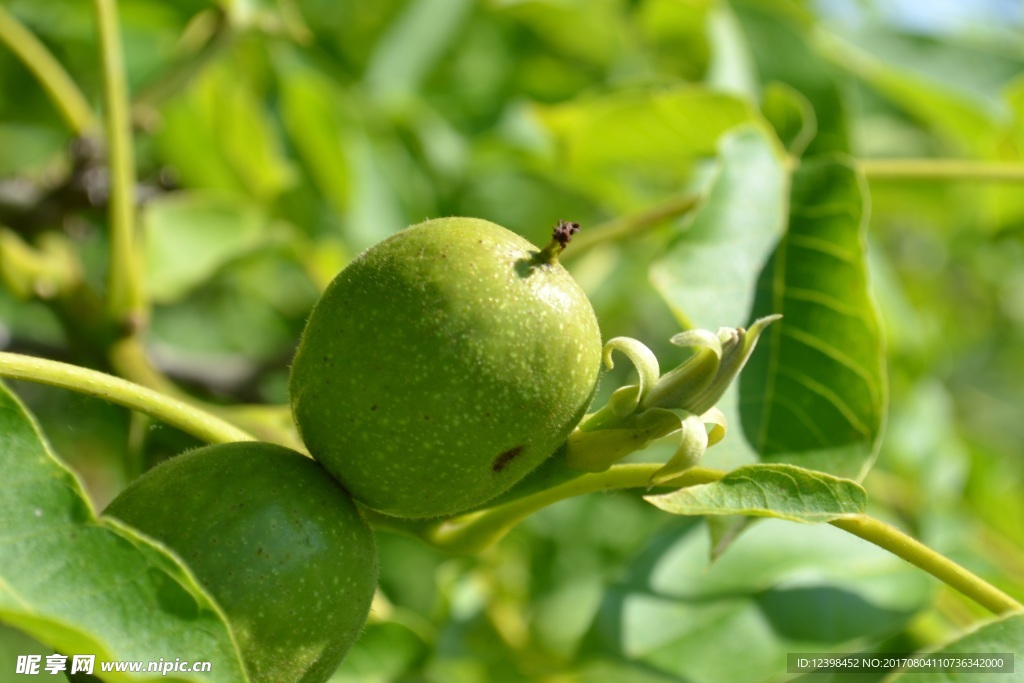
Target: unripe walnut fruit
pixel 275 540
pixel 443 365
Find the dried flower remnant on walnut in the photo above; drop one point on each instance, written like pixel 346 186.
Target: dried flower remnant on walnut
pixel 561 235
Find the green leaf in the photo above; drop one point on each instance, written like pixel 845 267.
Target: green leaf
pixel 781 491
pixel 708 274
pixel 314 116
pixel 676 34
pixel 598 28
pixel 781 588
pixel 770 25
pixel 667 126
pixel 731 66
pixel 218 135
pixel 814 394
pixel 89 586
pixel 189 236
pixel 1002 635
pixel 723 530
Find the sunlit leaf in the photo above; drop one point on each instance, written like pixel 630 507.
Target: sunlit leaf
pixel 731 68
pixel 89 586
pixel 589 31
pixel 190 236
pixel 643 125
pixel 708 274
pixel 780 491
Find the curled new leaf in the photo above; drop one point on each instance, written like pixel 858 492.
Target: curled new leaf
pixel 699 383
pixel 692 445
pixel 681 400
pixel 676 386
pixel 626 399
pixel 715 418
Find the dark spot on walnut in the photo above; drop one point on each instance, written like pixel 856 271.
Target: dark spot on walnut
pixel 502 461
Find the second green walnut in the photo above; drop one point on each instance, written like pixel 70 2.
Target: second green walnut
pixel 443 365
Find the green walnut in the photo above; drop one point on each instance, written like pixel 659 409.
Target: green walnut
pixel 277 542
pixel 443 365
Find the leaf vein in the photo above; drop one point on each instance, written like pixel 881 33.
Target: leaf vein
pixel 838 356
pixel 822 246
pixel 832 397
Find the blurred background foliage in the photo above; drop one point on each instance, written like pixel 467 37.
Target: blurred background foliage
pixel 275 139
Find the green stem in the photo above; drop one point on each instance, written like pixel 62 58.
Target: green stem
pixel 176 413
pixel 942 169
pixel 941 567
pixel 55 80
pixel 473 532
pixel 125 302
pixel 476 531
pixel 267 422
pixel 626 226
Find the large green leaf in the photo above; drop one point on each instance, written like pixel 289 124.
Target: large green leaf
pixel 89 586
pixel 781 588
pixel 781 491
pixel 708 274
pixel 814 393
pixel 1004 635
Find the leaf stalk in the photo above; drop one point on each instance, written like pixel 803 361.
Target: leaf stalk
pixel 179 414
